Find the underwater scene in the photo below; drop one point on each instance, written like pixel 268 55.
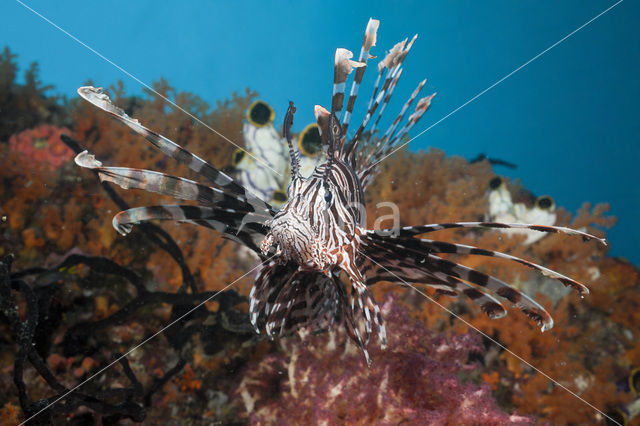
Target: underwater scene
pixel 330 213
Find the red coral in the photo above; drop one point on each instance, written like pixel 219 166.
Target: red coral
pixel 42 147
pixel 415 380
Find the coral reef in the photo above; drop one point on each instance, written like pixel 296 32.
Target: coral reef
pixel 41 148
pixel 95 309
pixel 594 343
pixel 416 380
pixel 102 294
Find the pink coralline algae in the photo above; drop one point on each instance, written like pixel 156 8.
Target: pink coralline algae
pixel 42 147
pixel 418 379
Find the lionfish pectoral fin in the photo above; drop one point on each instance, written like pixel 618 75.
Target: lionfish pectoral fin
pixel 421 245
pixel 225 221
pixel 526 304
pixel 425 267
pixel 409 231
pixel 220 179
pixel 173 186
pixel 386 264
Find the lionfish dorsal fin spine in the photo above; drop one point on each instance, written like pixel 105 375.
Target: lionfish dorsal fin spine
pixel 342 68
pixel 386 99
pixel 392 63
pixel 382 146
pixel 387 144
pixel 293 152
pixel 370 36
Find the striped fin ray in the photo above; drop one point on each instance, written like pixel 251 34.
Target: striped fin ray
pixel 168 147
pixel 380 149
pixel 322 120
pixel 423 246
pixel 343 65
pixel 382 69
pixel 386 64
pixel 264 290
pixel 387 97
pixel 369 173
pixel 310 301
pixel 422 107
pixel 366 304
pixel 393 62
pixel 285 299
pixel 353 322
pixel 369 41
pixel 276 315
pixel 404 272
pixel 389 133
pixel 393 267
pixel 376 86
pixel 245 227
pixel 526 304
pixel 433 265
pixel 360 153
pixel 294 155
pixel 409 231
pixel 180 188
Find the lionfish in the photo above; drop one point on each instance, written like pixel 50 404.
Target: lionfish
pixel 319 259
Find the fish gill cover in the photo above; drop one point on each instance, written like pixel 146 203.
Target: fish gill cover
pixel 74 296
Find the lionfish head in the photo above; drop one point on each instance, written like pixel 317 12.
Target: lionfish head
pixel 311 223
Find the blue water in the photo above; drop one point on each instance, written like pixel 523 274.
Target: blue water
pixel 569 120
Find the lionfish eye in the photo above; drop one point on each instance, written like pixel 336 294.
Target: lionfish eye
pixel 260 114
pixel 545 202
pixel 495 183
pixel 328 196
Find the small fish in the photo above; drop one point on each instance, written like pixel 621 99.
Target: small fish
pixel 319 234
pixel 265 172
pixel 503 209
